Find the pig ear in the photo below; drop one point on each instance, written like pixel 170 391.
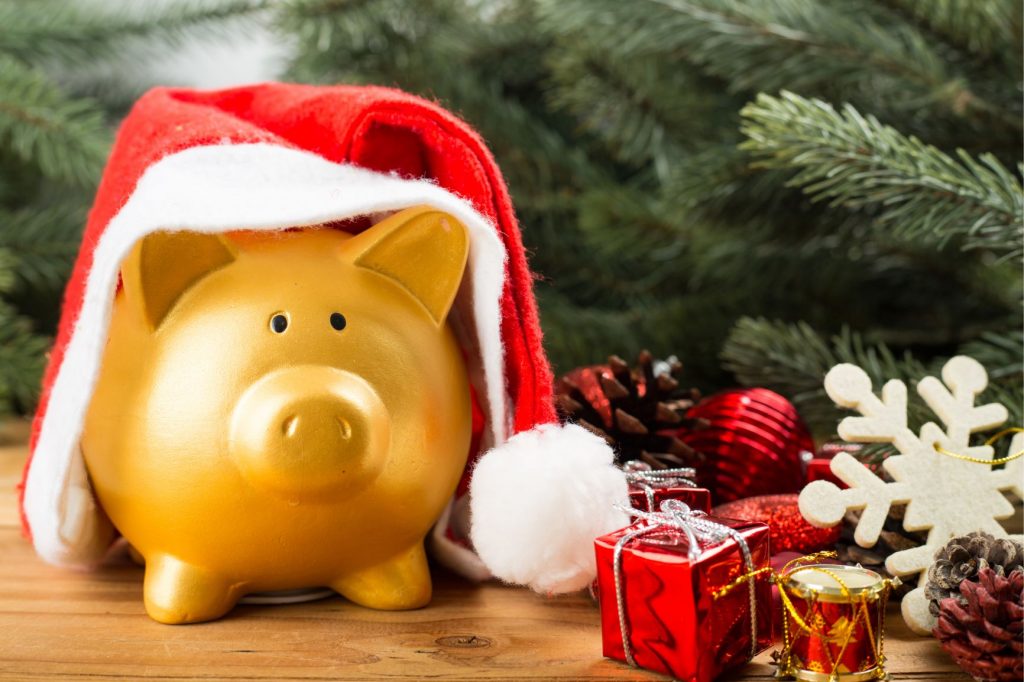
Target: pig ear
pixel 164 265
pixel 422 249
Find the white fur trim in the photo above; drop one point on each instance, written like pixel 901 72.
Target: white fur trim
pixel 539 501
pixel 216 189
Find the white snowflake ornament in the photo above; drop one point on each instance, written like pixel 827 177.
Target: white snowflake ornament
pixel 944 495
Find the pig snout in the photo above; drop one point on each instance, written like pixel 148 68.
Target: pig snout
pixel 308 431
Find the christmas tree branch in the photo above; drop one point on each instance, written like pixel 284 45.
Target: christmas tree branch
pixel 793 359
pixel 821 47
pixel 43 240
pixel 1002 354
pixel 684 325
pixel 69 32
pixel 718 182
pixel 66 138
pixel 643 109
pixel 855 161
pixel 985 27
pixel 22 353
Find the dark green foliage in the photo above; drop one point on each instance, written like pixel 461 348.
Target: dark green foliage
pixel 856 162
pixel 69 31
pixel 43 239
pixel 792 359
pixel 990 28
pixel 53 143
pixel 818 167
pixel 763 188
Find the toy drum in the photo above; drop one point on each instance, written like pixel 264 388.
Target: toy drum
pixel 833 625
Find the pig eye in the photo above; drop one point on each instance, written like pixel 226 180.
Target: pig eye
pixel 278 323
pixel 338 321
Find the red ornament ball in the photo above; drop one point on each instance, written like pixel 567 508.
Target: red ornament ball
pixel 754 443
pixel 788 531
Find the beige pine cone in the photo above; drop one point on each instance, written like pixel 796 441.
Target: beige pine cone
pixel 963 557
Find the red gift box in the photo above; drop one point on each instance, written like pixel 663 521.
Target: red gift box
pixel 820 467
pixel 695 498
pixel 672 619
pixel 648 487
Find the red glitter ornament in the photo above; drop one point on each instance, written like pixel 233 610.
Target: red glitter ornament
pixel 788 530
pixel 754 444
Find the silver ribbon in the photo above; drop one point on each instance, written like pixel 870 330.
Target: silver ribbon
pixel 641 475
pixel 698 528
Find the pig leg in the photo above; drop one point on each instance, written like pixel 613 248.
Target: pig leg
pixel 402 582
pixel 177 592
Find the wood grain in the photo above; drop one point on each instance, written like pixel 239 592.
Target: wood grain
pixel 61 624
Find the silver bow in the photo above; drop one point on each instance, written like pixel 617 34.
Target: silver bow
pixel 698 529
pixel 641 474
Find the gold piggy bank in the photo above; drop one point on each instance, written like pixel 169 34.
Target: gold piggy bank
pixel 285 410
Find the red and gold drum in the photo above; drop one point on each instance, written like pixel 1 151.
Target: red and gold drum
pixel 834 623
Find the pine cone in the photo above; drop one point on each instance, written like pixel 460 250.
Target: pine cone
pixel 963 558
pixel 634 410
pixel 981 627
pixel 893 538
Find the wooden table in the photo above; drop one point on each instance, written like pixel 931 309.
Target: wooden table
pixel 65 625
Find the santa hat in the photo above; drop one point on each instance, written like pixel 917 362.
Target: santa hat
pixel 276 156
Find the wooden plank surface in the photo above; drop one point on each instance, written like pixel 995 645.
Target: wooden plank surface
pixel 59 624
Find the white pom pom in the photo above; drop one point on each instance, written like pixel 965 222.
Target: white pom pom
pixel 537 503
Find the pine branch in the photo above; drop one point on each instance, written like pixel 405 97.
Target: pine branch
pixel 649 229
pixel 644 109
pixel 114 84
pixel 22 353
pixel 360 37
pixel 824 47
pixel 634 237
pixel 1011 396
pixel 1002 354
pixel 8 263
pixel 985 27
pixel 793 359
pixel 487 71
pixel 22 358
pixel 44 241
pixel 66 138
pixel 688 326
pixel 718 182
pixel 855 161
pixel 70 33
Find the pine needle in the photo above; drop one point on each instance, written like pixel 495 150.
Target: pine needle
pixel 853 160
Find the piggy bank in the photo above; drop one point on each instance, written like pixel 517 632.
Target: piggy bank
pixel 285 410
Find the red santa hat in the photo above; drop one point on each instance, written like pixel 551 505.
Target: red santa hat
pixel 278 156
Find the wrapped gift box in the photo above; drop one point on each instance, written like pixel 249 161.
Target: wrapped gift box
pixel 695 498
pixel 648 487
pixel 674 623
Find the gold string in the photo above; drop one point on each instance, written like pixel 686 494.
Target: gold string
pixel 977 460
pixel 867 624
pixel 787 602
pixel 887 588
pixel 809 558
pixel 726 589
pixel 739 581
